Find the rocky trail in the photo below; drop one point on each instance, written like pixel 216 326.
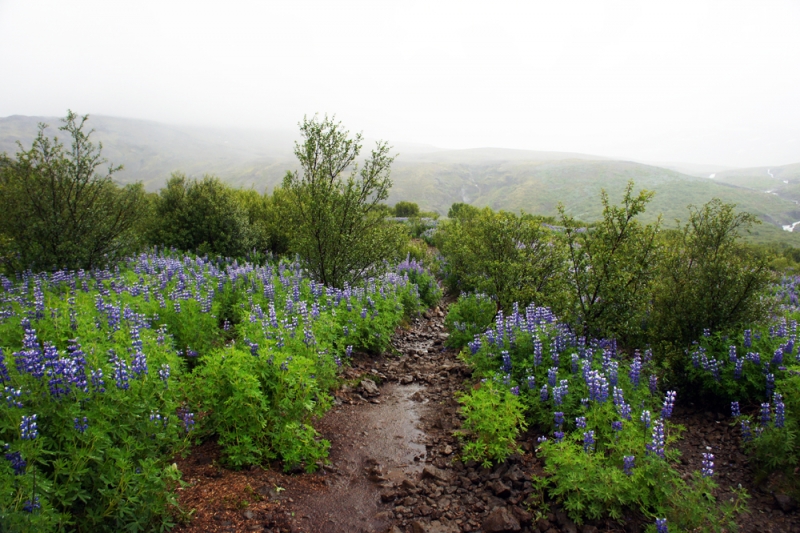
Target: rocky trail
pixel 394 464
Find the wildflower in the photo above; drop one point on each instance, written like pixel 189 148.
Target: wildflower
pixel 515 390
pixel 163 373
pixel 748 338
pixel 661 523
pixel 708 464
pixel 735 409
pixel 616 426
pixel 120 367
pixel 12 396
pixel 559 435
pixel 636 369
pixel 770 384
pixel 765 414
pixel 506 362
pixel 188 420
pixel 588 441
pixel 552 374
pixel 31 505
pixel 628 464
pixel 746 433
pixel 645 418
pixel 17 462
pixel 780 414
pixel 657 444
pixel 81 426
pixel 669 404
pixel 580 422
pixel 559 418
pixel 531 382
pixel 624 410
pixel 28 428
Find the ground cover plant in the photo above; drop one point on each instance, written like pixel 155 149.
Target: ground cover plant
pixel 609 445
pixel 109 373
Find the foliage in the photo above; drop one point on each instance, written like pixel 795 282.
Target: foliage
pixel 494 417
pixel 469 316
pixel 202 216
pixel 428 288
pixel 510 257
pixel 708 279
pixel 611 266
pixel 108 409
pixel 336 225
pixel 406 209
pixel 60 211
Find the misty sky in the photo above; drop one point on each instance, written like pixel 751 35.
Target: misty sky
pixel 685 81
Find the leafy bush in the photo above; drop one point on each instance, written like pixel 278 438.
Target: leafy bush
pixel 470 315
pixel 429 291
pixel 494 417
pixel 509 257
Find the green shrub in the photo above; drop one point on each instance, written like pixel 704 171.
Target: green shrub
pixel 493 417
pixel 470 315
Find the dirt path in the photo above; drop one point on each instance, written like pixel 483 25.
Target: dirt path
pixel 394 464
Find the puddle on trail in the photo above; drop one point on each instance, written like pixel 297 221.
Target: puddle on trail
pixel 370 444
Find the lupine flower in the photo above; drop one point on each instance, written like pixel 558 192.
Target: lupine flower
pixel 559 418
pixel 543 393
pixel 616 426
pixel 669 404
pixel 537 351
pixel 188 420
pixel 31 505
pixel 748 338
pixel 706 332
pixel 657 444
pixel 780 414
pixel 4 377
pixel 737 371
pixel 588 441
pixel 81 426
pixel 765 414
pixel 661 524
pixel 735 409
pixel 575 360
pixel 531 382
pixel 541 439
pixel 708 464
pixel 619 398
pixel 636 369
pixel 559 435
pixel 628 464
pixel 515 390
pixel 506 361
pixel 613 373
pixel 97 380
pixel 777 357
pixel 163 373
pixel 560 392
pixel 653 384
pixel 746 433
pixel 770 384
pixel 580 422
pixel 28 429
pixel 552 374
pixel 17 462
pixel 120 369
pixel 624 411
pixel 646 418
pixel 732 353
pixel 348 352
pixel 12 396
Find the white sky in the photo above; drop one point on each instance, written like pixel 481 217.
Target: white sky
pixel 692 81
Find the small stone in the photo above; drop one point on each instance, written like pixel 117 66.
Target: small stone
pixel 500 520
pixel 448 450
pixel 369 387
pixel 785 502
pixel 431 472
pixel 248 514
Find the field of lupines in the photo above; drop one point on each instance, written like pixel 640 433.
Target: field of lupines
pixel 609 444
pixel 108 374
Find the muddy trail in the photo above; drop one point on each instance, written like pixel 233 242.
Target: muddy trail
pixel 395 467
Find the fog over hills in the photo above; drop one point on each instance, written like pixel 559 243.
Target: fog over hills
pixel 533 181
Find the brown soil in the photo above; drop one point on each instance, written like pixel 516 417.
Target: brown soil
pixel 395 467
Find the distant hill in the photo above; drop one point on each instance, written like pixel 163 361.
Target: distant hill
pixel 514 180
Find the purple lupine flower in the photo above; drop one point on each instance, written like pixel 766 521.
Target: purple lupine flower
pixel 31 505
pixel 120 369
pixel 559 435
pixel 777 357
pixel 4 377
pixel 348 352
pixel 780 411
pixel 188 420
pixel 541 439
pixel 657 444
pixel 506 361
pixel 765 414
pixel 624 410
pixel 708 464
pixel 669 404
pixel 543 393
pixel 27 427
pixel 537 351
pixel 616 426
pixel 139 364
pixel 706 332
pixel 661 523
pixel 531 382
pixel 580 422
pixel 735 412
pixel 552 375
pixel 515 390
pixel 613 373
pixel 636 369
pixel 17 462
pixel 12 397
pixel 81 425
pixel 163 373
pixel 747 435
pixel 732 353
pixel 559 418
pixel 588 441
pixel 737 372
pixel 628 464
pixel 97 380
pixel 653 384
pixel 645 418
pixel 619 398
pixel 748 338
pixel 575 360
pixel 770 387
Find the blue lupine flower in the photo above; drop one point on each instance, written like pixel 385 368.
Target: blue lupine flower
pixel 506 361
pixel 780 411
pixel 188 420
pixel 515 390
pixel 531 382
pixel 765 414
pixel 552 374
pixel 732 353
pixel 31 505
pixel 657 444
pixel 613 373
pixel 735 409
pixel 624 410
pixel 559 435
pixel 737 372
pixel 770 384
pixel 28 429
pixel 559 418
pixel 748 338
pixel 580 422
pixel 97 380
pixel 708 464
pixel 4 377
pixel 12 397
pixel 17 462
pixel 163 374
pixel 653 384
pixel 616 426
pixel 120 369
pixel 537 351
pixel 747 435
pixel 81 426
pixel 669 404
pixel 588 441
pixel 348 352
pixel 543 393
pixel 645 418
pixel 628 464
pixel 575 360
pixel 661 525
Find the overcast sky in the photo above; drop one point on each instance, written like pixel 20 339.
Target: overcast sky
pixel 685 81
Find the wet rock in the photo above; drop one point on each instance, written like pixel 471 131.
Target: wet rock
pixel 501 489
pixel 369 388
pixel 786 503
pixel 431 472
pixel 500 520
